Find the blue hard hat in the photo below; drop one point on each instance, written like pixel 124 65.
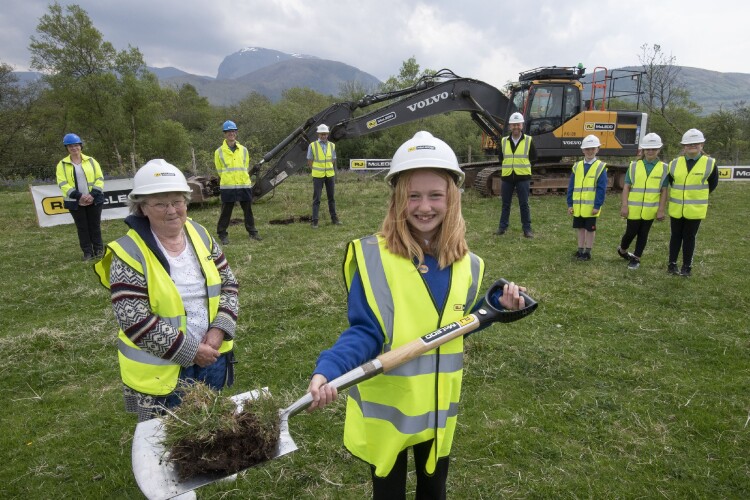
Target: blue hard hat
pixel 229 125
pixel 71 139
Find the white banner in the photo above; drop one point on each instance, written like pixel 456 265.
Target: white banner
pixel 50 211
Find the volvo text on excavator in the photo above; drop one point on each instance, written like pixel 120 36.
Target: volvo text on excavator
pixel 552 99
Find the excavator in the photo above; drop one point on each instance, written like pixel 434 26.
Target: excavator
pixel 552 99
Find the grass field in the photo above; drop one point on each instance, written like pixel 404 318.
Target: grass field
pixel 623 384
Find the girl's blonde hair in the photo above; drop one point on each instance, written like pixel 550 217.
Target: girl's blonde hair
pixel 449 243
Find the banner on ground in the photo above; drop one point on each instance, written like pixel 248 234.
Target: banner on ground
pixel 50 211
pixel 738 173
pixel 363 165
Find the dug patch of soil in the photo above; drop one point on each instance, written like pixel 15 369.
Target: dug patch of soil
pixel 227 452
pixel 292 220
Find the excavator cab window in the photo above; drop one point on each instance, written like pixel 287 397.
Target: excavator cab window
pixel 572 102
pixel 545 111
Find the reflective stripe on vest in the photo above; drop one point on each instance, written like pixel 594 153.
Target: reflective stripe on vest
pixel 517 161
pixel 322 165
pixel 688 194
pixel 417 401
pixel 645 189
pixel 584 188
pixel 234 176
pixel 139 369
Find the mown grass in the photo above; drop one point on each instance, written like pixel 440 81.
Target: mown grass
pixel 622 384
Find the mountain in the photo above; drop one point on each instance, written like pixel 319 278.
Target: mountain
pixel 250 59
pixel 270 73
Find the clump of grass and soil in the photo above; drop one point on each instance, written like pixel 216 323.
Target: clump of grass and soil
pixel 207 434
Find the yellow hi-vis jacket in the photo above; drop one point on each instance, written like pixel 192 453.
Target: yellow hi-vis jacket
pixel 322 164
pixel 417 401
pixel 645 189
pixel 139 369
pixel 66 179
pixel 517 161
pixel 233 166
pixel 584 188
pixel 688 194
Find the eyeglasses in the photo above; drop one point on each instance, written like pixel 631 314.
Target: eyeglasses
pixel 162 207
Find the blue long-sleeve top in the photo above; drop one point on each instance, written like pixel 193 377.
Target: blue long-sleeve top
pixel 363 340
pixel 601 186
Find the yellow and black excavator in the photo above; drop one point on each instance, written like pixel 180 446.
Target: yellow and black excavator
pixel 552 100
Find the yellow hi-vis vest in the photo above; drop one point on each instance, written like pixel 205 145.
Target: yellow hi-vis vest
pixel 139 369
pixel 688 194
pixel 417 401
pixel 645 190
pixel 233 166
pixel 518 161
pixel 66 176
pixel 584 188
pixel 322 164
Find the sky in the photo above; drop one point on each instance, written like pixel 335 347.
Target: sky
pixel 487 40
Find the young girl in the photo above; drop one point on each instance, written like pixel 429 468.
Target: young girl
pixel 643 199
pixel 413 277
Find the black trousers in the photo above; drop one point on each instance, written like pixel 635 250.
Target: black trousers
pixel 318 183
pixel 226 216
pixel 683 236
pixel 88 221
pixel 637 229
pixel 393 486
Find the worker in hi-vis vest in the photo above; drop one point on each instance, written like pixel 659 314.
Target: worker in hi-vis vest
pixel 692 177
pixel 586 192
pixel 232 162
pixel 414 276
pixel 321 158
pixel 644 198
pixel 516 154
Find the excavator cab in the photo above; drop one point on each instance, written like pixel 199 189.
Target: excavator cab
pixel 557 116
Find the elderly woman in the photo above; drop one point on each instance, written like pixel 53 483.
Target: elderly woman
pixel 173 294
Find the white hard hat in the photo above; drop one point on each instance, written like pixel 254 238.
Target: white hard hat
pixel 323 129
pixel 651 141
pixel 424 151
pixel 590 141
pixel 158 176
pixel 693 136
pixel 515 118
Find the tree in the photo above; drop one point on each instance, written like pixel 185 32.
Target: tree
pixel 87 76
pixel 663 89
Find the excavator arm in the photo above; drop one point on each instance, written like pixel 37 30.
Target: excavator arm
pixel 431 95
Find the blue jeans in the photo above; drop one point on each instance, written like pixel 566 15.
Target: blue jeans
pixel 506 193
pixel 217 376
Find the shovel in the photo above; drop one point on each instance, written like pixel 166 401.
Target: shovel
pixel 158 478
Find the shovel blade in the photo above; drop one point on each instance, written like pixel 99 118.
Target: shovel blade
pixel 158 478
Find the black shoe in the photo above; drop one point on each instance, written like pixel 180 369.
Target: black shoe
pixel 634 263
pixel 686 271
pixel 625 254
pixel 224 240
pixel 672 269
pixel 528 234
pixel 314 224
pixel 500 232
pixel 87 257
pixel 585 256
pixel 256 237
pixel 336 222
pixel 578 254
